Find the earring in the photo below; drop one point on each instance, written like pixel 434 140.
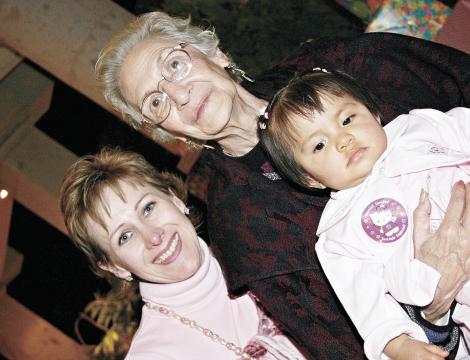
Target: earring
pixel 186 211
pixel 238 73
pixel 195 145
pixel 129 278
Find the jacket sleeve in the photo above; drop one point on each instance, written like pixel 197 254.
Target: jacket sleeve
pixel 362 290
pixel 403 73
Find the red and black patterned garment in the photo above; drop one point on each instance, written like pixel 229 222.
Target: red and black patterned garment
pixel 262 229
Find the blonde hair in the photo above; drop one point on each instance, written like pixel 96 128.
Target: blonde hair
pixel 154 24
pixel 81 194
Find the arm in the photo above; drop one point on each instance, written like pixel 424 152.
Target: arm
pixel 359 285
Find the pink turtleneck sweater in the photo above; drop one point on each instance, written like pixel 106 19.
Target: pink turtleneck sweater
pixel 204 299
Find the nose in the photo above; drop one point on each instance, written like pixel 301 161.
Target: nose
pixel 345 142
pixel 178 91
pixel 153 236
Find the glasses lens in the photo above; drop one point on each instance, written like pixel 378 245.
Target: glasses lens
pixel 176 65
pixel 158 107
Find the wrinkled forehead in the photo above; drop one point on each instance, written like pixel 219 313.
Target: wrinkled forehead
pixel 140 67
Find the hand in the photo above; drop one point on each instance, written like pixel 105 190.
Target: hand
pixel 406 348
pixel 447 250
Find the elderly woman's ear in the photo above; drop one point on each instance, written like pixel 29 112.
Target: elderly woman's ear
pixel 220 58
pixel 116 270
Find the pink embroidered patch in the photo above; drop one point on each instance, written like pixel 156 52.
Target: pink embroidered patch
pixel 384 220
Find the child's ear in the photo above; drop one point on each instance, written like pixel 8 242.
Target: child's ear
pixel 116 270
pixel 314 183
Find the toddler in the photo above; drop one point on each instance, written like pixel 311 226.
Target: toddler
pixel 323 131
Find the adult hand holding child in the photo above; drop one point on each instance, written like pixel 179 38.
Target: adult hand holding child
pixel 445 249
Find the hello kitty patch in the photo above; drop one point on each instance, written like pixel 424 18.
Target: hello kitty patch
pixel 384 220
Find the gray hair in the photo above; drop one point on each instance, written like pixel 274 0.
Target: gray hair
pixel 109 63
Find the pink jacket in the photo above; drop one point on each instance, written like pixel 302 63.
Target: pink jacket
pixel 365 234
pixel 204 299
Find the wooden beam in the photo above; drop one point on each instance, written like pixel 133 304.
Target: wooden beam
pixel 68 46
pixel 35 168
pixel 13 265
pixel 8 61
pixel 6 206
pixel 33 196
pixel 25 95
pixel 26 336
pixel 64 37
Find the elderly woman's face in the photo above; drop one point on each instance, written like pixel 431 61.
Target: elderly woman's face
pixel 201 103
pixel 147 234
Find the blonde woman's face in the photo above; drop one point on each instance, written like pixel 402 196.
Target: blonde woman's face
pixel 202 103
pixel 147 234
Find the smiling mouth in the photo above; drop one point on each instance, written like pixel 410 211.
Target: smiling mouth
pixel 170 252
pixel 356 155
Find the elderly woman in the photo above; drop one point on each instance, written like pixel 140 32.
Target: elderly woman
pixel 164 72
pixel 132 222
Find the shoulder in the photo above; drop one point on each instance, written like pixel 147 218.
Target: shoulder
pixel 145 345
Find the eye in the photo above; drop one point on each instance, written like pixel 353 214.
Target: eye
pixel 347 121
pixel 175 65
pixel 124 238
pixel 156 101
pixel 320 146
pixel 148 208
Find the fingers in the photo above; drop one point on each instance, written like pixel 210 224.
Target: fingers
pixel 456 207
pixel 438 351
pixel 466 213
pixel 421 228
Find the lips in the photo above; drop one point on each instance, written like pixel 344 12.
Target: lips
pixel 201 107
pixel 356 155
pixel 171 251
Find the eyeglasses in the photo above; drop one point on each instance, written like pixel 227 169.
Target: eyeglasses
pixel 175 67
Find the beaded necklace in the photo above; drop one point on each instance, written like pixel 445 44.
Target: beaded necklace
pixel 205 331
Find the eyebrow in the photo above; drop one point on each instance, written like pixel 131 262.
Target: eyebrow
pixel 136 207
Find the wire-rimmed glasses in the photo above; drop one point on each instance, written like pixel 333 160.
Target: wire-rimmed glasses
pixel 175 67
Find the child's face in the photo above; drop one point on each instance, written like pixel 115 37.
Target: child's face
pixel 339 147
pixel 147 234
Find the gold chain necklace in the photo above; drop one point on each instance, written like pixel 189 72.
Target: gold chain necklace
pixel 205 331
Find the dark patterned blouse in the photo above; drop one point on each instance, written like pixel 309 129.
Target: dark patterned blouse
pixel 262 229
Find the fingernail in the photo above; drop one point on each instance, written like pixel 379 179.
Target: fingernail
pixel 422 196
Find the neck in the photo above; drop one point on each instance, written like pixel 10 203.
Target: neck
pixel 242 130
